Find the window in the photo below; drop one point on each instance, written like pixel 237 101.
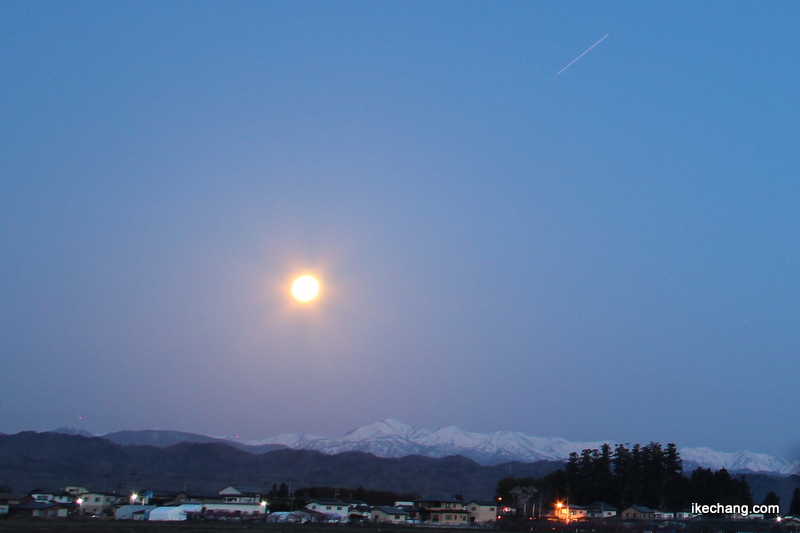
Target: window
pixel 328 508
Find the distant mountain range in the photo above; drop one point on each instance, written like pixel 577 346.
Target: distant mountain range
pixel 53 460
pixel 392 439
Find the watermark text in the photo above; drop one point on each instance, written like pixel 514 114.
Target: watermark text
pixel 743 510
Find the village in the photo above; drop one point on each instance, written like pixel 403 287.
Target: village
pixel 248 504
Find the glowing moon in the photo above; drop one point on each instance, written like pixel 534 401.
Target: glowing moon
pixel 305 288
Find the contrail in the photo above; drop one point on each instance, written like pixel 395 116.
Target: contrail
pixel 580 56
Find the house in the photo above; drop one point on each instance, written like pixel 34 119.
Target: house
pixel 161 497
pixel 638 512
pixel 243 511
pixel 49 495
pixel 577 512
pixel 391 515
pixel 601 510
pixel 8 500
pixel 569 512
pixel 43 509
pixel 98 504
pixel 481 511
pixel 240 494
pixel 663 515
pixel 331 507
pixel 411 509
pixel 359 511
pixel 443 512
pixel 234 501
pixel 195 497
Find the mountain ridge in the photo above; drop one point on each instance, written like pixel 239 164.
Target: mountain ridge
pixel 391 438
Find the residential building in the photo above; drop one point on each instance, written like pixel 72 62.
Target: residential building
pixel 444 512
pixel 98 504
pixel 569 512
pixel 240 494
pixel 43 509
pixel 49 495
pixel 391 515
pixel 481 511
pixel 331 507
pixel 601 510
pixel 8 500
pixel 193 496
pixel 637 512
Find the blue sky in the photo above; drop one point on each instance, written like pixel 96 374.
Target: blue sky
pixel 606 253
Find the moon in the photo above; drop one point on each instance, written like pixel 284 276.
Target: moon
pixel 305 288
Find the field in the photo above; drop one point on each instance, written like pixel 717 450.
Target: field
pixel 78 525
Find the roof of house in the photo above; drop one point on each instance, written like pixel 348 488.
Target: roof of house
pixel 43 505
pixel 242 489
pixel 603 506
pixel 329 501
pixel 640 509
pixel 54 492
pixel 390 510
pixel 200 495
pixel 486 503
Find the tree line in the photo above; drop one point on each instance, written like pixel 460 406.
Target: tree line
pixel 650 475
pixel 282 499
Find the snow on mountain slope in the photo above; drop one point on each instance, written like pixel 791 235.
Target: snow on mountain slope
pixel 737 462
pixel 391 438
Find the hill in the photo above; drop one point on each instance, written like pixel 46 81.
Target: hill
pixel 30 459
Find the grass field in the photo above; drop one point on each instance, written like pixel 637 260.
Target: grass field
pixel 76 525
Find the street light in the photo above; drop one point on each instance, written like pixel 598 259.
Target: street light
pixel 561 510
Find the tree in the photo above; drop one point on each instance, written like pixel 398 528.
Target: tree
pixel 506 485
pixel 794 507
pixel 771 499
pixel 708 487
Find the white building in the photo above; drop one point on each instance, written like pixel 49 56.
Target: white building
pixel 176 513
pixel 330 507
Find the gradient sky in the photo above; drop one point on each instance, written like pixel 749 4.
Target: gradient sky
pixel 607 253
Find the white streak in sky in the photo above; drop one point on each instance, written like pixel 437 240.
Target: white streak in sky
pixel 580 56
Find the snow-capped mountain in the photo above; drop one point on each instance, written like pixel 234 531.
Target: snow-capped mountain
pixel 740 461
pixel 390 438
